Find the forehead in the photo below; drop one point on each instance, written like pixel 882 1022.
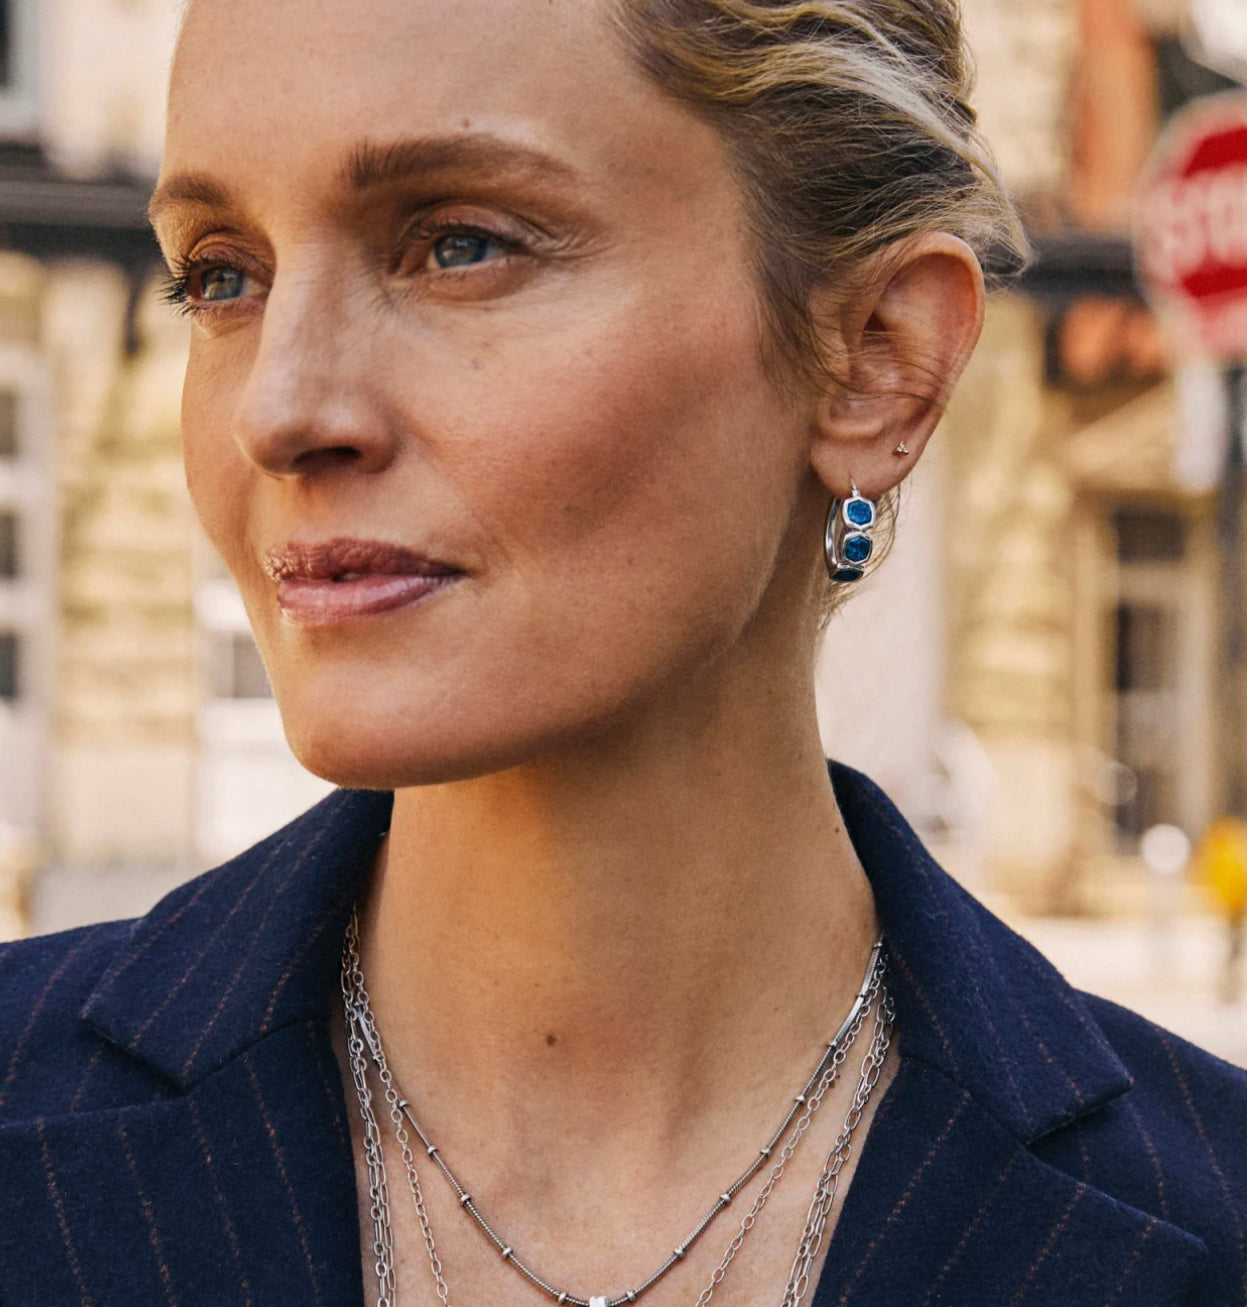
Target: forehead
pixel 348 51
pixel 264 83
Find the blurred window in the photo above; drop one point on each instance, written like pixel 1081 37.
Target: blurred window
pixel 10 442
pixel 19 58
pixel 1145 647
pixel 1150 536
pixel 236 669
pixel 10 562
pixel 247 779
pixel 6 43
pixel 10 653
pixel 1154 673
pixel 1148 727
pixel 232 667
pixel 28 555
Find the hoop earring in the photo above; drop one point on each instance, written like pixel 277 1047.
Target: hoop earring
pixel 848 542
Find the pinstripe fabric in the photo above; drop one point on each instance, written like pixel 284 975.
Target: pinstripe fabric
pixel 173 1126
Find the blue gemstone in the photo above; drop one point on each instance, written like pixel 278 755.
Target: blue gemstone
pixel 846 574
pixel 860 513
pixel 856 550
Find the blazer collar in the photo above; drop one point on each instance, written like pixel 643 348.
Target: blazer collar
pixel 244 950
pixel 974 999
pixel 254 946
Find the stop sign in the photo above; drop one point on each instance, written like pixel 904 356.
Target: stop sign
pixel 1191 227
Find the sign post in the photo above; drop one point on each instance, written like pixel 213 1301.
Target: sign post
pixel 1191 256
pixel 1233 595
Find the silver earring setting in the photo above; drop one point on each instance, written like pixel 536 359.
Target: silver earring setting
pixel 849 540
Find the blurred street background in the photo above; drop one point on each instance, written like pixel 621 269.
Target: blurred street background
pixel 1046 674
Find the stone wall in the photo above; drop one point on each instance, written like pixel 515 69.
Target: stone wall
pixel 125 708
pixel 1024 53
pixel 1009 597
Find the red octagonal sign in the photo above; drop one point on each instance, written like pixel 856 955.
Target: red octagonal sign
pixel 1191 227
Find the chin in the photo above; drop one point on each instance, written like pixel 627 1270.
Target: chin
pixel 357 743
pixel 356 726
pixel 389 749
pixel 362 755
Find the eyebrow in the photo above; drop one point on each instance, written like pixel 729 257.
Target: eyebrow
pixel 186 188
pixel 373 164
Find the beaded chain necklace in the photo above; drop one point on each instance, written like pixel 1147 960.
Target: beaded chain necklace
pixel 364 1045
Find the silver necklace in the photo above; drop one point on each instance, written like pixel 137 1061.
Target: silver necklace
pixel 364 1042
pixel 877 1000
pixel 825 1191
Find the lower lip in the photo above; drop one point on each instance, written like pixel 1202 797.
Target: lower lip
pixel 324 603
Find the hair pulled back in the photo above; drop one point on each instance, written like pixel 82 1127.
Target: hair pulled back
pixel 850 126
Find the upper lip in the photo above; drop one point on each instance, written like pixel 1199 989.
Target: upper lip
pixel 330 560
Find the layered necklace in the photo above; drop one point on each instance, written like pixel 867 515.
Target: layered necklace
pixel 872 1003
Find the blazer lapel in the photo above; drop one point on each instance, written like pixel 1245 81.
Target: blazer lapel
pixel 236 1194
pixel 950 1205
pixel 949 1208
pixel 232 1181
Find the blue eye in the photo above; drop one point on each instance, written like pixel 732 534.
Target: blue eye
pixel 199 287
pixel 217 284
pixel 462 249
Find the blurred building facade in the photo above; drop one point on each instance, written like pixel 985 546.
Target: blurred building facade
pixel 1031 674
pixel 1080 501
pixel 1068 523
pixel 137 741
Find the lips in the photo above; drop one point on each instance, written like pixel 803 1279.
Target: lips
pixel 336 580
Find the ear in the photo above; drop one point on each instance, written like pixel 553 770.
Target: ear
pixel 901 344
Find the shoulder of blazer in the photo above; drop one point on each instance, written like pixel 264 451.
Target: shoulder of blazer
pixel 1174 1146
pixel 1088 1088
pixel 81 1010
pixel 50 1062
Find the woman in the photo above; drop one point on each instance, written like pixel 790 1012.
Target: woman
pixel 531 343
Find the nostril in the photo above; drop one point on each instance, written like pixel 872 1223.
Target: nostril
pixel 316 460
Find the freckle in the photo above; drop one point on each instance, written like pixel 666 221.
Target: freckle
pixel 465 123
pixel 476 365
pixel 551 1040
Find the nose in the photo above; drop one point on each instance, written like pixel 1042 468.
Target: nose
pixel 314 400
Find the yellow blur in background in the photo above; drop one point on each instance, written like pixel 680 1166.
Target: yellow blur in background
pixel 1221 866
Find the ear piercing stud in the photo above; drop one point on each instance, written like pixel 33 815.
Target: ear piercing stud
pixel 902 450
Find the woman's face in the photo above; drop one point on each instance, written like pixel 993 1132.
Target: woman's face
pixel 477 408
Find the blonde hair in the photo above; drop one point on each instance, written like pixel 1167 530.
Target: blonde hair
pixel 850 126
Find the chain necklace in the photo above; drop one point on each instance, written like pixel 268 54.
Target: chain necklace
pixel 877 1001
pixel 828 1183
pixel 364 1042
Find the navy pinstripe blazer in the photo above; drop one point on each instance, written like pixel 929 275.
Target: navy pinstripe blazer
pixel 173 1128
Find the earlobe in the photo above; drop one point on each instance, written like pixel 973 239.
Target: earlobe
pixel 903 343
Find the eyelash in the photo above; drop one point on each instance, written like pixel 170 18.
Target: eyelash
pixel 175 285
pixel 175 290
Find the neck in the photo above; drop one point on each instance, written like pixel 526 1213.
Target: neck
pixel 684 917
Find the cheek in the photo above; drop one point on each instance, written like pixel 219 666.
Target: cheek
pixel 633 447
pixel 216 471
